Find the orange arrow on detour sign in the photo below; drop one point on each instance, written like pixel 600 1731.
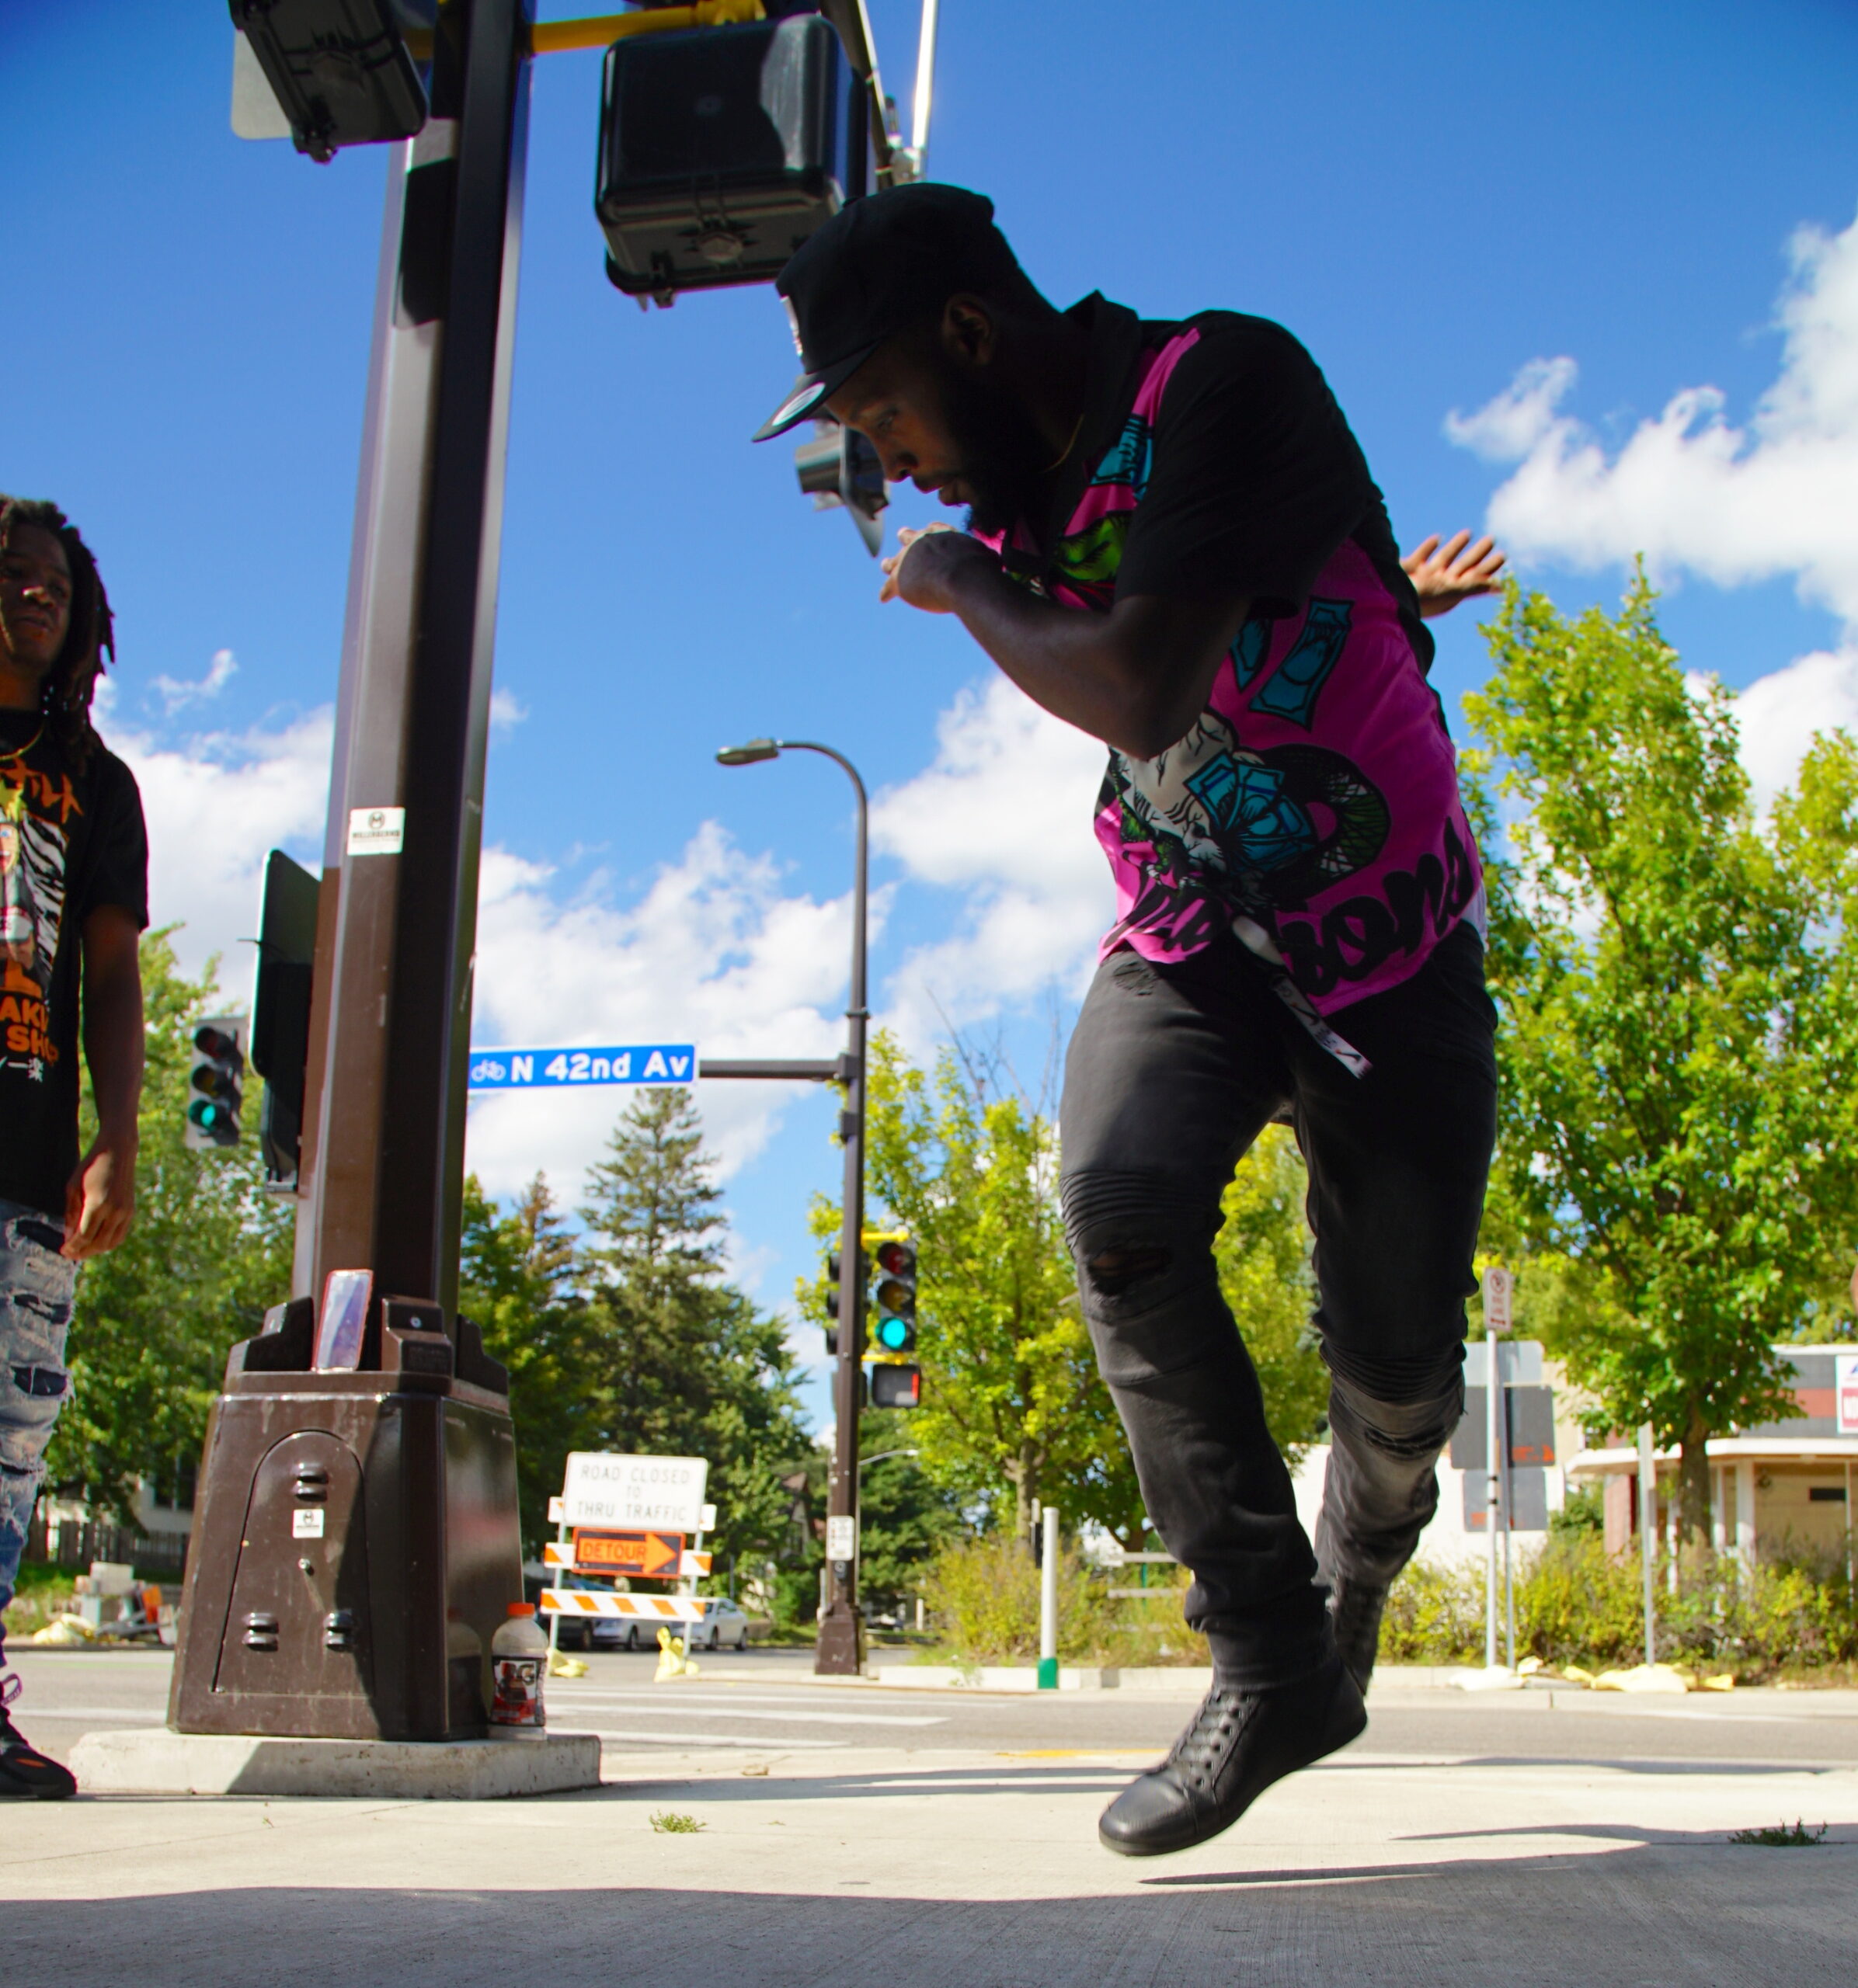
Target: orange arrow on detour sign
pixel 655 1556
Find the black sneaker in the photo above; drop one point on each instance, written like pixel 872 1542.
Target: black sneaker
pixel 25 1771
pixel 1240 1743
pixel 1355 1614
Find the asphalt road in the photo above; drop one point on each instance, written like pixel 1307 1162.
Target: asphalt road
pixel 765 1701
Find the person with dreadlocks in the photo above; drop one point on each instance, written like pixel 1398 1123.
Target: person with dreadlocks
pixel 73 900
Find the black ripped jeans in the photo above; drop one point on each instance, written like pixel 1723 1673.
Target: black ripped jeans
pixel 1172 1072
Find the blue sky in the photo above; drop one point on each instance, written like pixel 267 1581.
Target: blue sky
pixel 1430 206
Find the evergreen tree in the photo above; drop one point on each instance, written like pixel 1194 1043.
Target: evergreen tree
pixel 687 1367
pixel 517 1274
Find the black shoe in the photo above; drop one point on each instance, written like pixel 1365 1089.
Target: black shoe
pixel 1240 1743
pixel 25 1771
pixel 1355 1614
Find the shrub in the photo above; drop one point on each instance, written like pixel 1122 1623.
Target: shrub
pixel 983 1594
pixel 1577 1603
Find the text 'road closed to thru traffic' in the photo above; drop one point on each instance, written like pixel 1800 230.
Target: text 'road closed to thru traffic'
pixel 652 1492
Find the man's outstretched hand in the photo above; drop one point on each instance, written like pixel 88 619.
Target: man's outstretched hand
pixel 1444 575
pixel 922 570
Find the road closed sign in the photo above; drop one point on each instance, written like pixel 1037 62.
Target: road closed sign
pixel 601 1489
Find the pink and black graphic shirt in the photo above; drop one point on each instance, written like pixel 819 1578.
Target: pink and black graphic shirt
pixel 1317 794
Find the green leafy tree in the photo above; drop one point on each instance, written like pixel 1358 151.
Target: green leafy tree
pixel 687 1366
pixel 517 1278
pixel 1679 1053
pixel 209 1251
pixel 1263 1258
pixel 1013 1410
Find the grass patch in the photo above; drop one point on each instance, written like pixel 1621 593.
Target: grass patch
pixel 669 1823
pixel 1781 1836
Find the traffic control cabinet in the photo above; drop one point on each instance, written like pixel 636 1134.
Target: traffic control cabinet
pixel 357 1544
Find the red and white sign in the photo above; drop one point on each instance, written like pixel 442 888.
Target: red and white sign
pixel 646 1608
pixel 1499 1295
pixel 1845 1392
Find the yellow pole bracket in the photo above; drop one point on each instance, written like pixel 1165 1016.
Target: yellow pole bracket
pixel 602 30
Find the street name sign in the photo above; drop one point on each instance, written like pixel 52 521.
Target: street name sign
pixel 556 1069
pixel 650 1493
pixel 658 1555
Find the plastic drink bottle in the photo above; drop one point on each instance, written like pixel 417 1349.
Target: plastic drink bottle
pixel 519 1660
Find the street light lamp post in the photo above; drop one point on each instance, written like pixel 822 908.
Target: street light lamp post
pixel 841 1650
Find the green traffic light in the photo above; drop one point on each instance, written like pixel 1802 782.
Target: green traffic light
pixel 895 1335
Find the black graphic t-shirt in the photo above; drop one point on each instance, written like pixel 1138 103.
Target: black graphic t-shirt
pixel 70 841
pixel 1314 804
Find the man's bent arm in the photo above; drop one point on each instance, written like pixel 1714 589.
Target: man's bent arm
pixel 1136 677
pixel 100 1200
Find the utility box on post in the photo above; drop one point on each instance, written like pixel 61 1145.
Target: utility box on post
pixel 357 1546
pixel 721 151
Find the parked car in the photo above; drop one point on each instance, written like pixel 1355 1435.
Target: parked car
pixel 724 1626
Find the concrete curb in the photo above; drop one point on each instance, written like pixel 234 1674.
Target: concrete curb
pixel 152 1760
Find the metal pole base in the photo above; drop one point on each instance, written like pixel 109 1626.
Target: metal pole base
pixel 841 1651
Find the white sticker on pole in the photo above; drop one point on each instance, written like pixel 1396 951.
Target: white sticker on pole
pixel 1499 1293
pixel 307 1525
pixel 841 1539
pixel 706 1521
pixel 376 831
pixel 1845 1391
pixel 601 1489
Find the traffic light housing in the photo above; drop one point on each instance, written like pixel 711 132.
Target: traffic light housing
pixel 839 467
pixel 341 71
pixel 280 1011
pixel 720 150
pixel 216 1083
pixel 893 1301
pixel 834 1285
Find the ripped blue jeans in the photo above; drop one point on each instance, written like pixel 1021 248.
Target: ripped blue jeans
pixel 37 1286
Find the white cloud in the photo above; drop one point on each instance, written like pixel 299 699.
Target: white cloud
pixel 1507 428
pixel 176 693
pixel 1780 712
pixel 215 806
pixel 716 950
pixel 1696 493
pixel 713 953
pixel 1002 814
pixel 507 711
pixel 1688 489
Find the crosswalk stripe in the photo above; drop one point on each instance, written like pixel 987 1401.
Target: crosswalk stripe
pixel 564 1701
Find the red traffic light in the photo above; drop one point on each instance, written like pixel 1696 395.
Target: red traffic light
pixel 896 1260
pixel 222 1048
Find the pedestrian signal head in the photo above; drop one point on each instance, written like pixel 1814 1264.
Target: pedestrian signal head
pixel 896 1385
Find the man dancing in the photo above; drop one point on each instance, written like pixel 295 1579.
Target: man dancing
pixel 1175 544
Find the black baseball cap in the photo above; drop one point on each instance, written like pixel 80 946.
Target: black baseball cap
pixel 880 263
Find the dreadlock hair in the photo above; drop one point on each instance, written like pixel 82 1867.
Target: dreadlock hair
pixel 72 681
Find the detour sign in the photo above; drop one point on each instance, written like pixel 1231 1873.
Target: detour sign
pixel 652 1554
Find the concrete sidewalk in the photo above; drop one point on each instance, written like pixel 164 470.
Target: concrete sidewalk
pixel 972 1869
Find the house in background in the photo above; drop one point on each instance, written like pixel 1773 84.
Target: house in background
pixel 1775 1487
pixel 1783 1484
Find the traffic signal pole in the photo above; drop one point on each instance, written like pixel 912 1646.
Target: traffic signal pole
pixel 385 1133
pixel 841 1644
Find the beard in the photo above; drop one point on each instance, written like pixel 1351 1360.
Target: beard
pixel 1003 456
